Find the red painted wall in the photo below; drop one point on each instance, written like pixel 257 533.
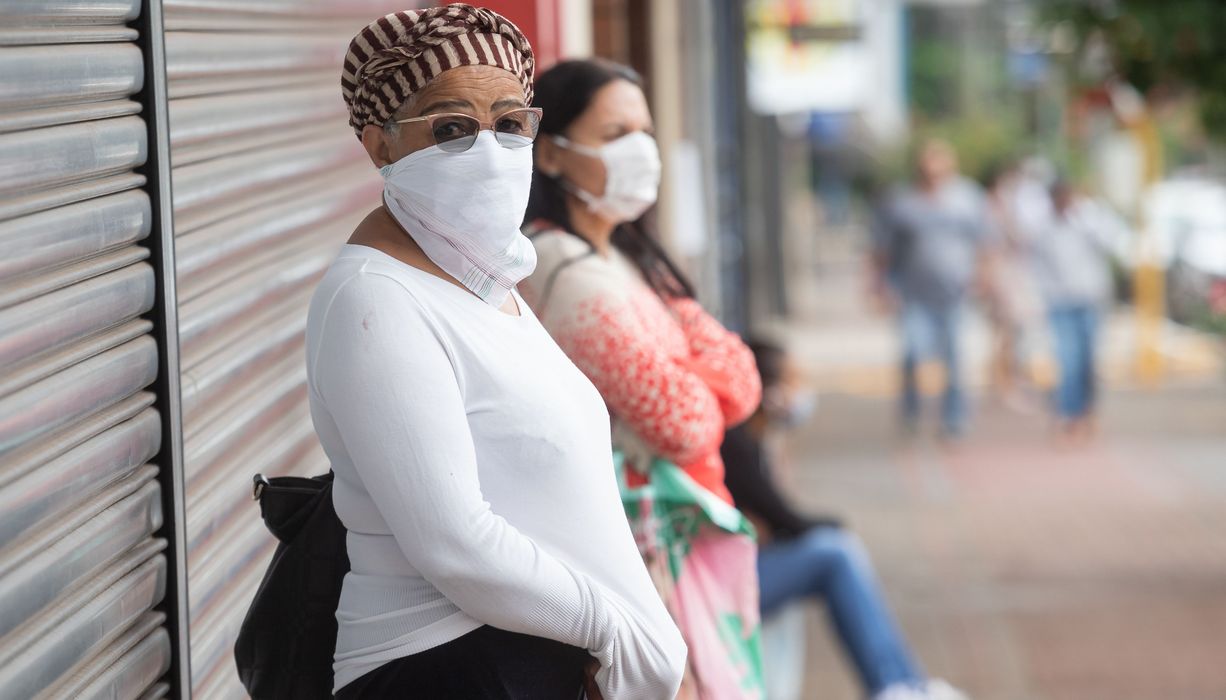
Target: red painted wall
pixel 538 20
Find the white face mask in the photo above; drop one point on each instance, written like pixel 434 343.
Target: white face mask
pixel 632 176
pixel 465 210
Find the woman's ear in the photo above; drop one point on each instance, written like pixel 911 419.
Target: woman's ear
pixel 374 140
pixel 548 156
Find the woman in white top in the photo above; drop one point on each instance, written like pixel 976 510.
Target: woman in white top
pixel 489 554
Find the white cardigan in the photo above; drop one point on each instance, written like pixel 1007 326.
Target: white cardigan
pixel 474 474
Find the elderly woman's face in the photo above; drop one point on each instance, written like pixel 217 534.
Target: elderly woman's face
pixel 617 109
pixel 484 92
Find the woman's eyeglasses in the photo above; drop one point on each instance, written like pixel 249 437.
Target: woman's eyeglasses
pixel 456 133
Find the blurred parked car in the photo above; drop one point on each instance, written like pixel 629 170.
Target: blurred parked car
pixel 1188 219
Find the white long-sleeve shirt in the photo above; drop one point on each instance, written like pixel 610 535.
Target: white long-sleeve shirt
pixel 474 475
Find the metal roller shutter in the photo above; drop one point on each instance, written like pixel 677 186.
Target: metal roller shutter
pixel 268 182
pixel 81 568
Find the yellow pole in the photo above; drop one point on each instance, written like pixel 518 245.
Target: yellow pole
pixel 1148 276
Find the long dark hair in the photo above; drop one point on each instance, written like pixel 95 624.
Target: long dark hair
pixel 564 92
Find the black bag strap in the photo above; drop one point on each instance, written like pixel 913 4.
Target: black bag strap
pixel 287 501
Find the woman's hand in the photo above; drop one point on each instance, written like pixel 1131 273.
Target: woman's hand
pixel 589 681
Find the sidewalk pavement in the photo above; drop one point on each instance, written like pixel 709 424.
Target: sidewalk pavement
pixel 1020 569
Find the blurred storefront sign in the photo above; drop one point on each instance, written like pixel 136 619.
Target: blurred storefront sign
pixel 831 56
pixel 1027 67
pixel 806 55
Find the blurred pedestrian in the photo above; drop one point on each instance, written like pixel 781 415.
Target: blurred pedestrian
pixel 488 548
pixel 1013 302
pixel 930 240
pixel 806 557
pixel 672 376
pixel 1073 264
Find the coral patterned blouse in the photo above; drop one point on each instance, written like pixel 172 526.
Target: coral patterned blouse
pixel 673 378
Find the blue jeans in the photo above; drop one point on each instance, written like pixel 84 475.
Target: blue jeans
pixel 831 564
pixel 1074 327
pixel 929 330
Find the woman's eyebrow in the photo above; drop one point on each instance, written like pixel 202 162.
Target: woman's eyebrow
pixel 507 103
pixel 447 104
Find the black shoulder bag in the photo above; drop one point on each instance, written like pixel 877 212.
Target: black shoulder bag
pixel 285 645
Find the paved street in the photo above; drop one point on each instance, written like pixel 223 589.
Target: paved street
pixel 1023 571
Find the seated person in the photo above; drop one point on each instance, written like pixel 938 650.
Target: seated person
pixel 801 556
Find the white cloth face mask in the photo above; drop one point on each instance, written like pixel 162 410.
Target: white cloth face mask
pixel 465 209
pixel 632 175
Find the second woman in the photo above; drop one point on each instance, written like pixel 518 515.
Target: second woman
pixel 673 378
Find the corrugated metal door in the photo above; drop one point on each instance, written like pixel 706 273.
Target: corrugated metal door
pixel 80 501
pixel 268 182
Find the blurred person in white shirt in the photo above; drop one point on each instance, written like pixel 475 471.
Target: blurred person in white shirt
pixel 1072 263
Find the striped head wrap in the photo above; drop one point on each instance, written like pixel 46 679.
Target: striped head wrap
pixel 398 54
